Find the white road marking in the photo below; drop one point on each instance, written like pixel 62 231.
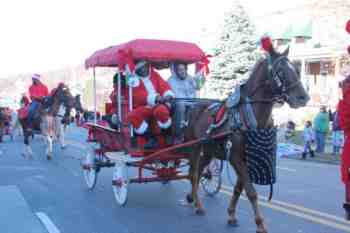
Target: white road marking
pixel 46 221
pixel 298 208
pixel 305 216
pixel 286 169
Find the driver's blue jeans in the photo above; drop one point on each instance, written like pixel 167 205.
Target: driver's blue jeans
pixel 33 107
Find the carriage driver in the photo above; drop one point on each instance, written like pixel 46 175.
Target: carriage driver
pixel 184 86
pixel 37 92
pixel 150 96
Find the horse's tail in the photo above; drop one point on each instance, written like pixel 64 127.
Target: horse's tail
pixel 271 192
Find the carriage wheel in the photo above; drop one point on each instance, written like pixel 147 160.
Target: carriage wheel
pixel 90 170
pixel 120 183
pixel 211 178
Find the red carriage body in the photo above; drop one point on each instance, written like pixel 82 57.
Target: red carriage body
pixel 119 148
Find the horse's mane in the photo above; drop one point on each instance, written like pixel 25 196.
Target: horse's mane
pixel 256 67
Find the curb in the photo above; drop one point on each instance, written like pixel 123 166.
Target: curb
pixel 316 160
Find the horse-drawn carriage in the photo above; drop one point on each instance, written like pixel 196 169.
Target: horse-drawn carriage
pixel 118 146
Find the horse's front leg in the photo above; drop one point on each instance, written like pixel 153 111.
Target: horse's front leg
pixel 49 146
pixel 237 191
pixel 61 136
pixel 253 199
pixel 27 150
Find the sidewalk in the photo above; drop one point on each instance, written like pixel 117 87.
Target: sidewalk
pixel 326 157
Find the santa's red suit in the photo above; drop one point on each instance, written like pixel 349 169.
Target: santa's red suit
pixel 344 122
pixel 145 92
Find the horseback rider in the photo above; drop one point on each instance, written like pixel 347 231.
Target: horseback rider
pixel 37 92
pixel 150 97
pixel 185 87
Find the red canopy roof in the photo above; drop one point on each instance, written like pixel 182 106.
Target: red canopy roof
pixel 157 51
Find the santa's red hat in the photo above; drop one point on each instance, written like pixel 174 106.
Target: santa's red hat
pixel 266 43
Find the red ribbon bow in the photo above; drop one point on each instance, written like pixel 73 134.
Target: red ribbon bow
pixel 125 58
pixel 203 64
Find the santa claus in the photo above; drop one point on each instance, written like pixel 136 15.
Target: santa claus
pixel 150 95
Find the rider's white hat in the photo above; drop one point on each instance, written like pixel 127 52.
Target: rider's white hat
pixel 36 76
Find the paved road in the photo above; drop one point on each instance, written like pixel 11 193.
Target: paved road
pixel 307 198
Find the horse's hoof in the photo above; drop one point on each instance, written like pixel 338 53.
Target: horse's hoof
pixel 49 157
pixel 232 222
pixel 189 198
pixel 200 212
pixel 63 147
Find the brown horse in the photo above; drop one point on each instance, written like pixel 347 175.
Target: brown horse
pixel 273 79
pixel 54 115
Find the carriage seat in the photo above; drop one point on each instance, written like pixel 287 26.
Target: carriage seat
pixel 217 110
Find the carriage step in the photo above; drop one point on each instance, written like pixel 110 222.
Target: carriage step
pixel 121 157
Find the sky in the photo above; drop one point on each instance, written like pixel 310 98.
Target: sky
pixel 44 35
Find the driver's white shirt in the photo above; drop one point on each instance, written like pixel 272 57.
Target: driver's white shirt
pixel 184 88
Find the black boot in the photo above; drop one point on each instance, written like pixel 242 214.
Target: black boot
pixel 312 154
pixel 152 143
pixel 178 139
pixel 346 207
pixel 303 155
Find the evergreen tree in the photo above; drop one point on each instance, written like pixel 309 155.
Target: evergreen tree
pixel 234 54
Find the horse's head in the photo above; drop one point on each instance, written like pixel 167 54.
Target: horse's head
pixel 279 80
pixel 64 97
pixel 286 80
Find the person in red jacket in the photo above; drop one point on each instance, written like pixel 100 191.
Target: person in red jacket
pixel 24 102
pixel 150 95
pixel 37 92
pixel 344 123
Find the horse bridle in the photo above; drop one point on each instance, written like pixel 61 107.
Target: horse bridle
pixel 276 74
pixel 64 102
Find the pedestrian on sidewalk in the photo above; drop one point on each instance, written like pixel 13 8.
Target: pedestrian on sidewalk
pixel 309 138
pixel 290 131
pixel 321 127
pixel 337 134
